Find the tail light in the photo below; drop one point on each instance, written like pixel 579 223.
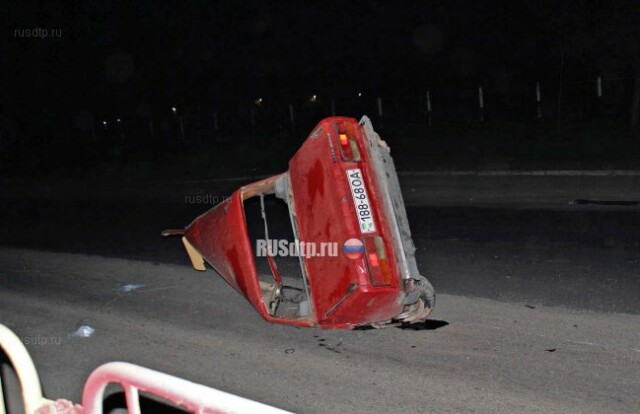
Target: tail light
pixel 379 269
pixel 348 147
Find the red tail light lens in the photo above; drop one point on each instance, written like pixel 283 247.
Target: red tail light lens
pixel 379 269
pixel 348 147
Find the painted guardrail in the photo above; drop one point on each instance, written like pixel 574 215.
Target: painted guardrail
pixel 134 379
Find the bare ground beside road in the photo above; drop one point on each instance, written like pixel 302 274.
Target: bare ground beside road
pixel 491 357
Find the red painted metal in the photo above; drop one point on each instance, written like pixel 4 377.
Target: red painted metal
pixel 325 211
pixel 221 237
pixel 342 294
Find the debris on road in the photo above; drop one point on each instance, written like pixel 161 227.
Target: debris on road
pixel 84 331
pixel 129 287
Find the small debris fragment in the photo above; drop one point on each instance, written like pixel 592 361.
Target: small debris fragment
pixel 289 351
pixel 129 287
pixel 530 306
pixel 84 331
pixel 551 350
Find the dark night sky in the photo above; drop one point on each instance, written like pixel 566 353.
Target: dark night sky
pixel 118 55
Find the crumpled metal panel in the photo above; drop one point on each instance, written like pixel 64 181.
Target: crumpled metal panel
pixel 344 290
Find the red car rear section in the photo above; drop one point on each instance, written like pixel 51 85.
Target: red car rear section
pixel 325 210
pixel 341 189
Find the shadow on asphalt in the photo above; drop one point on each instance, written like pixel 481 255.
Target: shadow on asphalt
pixel 428 325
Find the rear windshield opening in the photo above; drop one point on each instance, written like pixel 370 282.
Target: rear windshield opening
pixel 283 288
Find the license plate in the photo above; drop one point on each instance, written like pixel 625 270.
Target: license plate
pixel 361 201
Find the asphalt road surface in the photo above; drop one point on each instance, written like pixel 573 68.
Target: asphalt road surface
pixel 537 307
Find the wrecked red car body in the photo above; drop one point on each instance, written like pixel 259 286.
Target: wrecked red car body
pixel 344 204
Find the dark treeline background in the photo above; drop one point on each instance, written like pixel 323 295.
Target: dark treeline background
pixel 101 85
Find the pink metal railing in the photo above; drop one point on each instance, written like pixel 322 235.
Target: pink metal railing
pixel 134 379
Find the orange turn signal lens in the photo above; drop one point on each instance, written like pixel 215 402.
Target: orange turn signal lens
pixel 379 268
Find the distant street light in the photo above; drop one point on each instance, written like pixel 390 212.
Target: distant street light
pixel 258 101
pixel 313 98
pixel 180 124
pixel 120 129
